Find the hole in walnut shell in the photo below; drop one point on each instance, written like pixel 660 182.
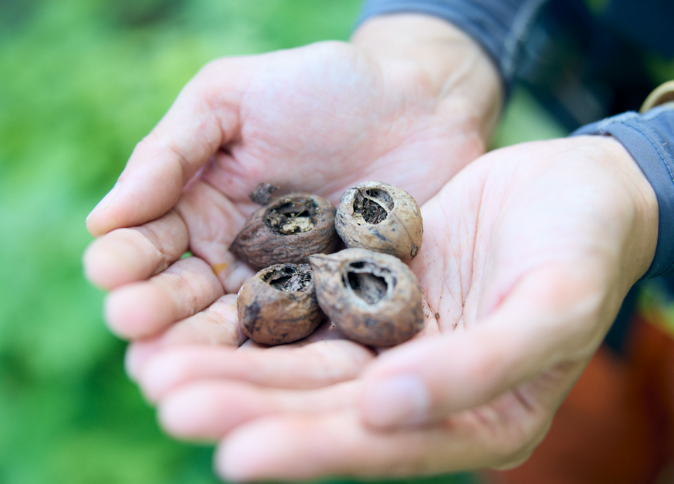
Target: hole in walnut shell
pixel 373 205
pixel 289 278
pixel 292 217
pixel 368 281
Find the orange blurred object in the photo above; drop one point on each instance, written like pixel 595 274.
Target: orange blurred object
pixel 616 426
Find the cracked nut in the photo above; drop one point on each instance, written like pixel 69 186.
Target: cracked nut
pixel 278 305
pixel 382 218
pixel 372 298
pixel 287 230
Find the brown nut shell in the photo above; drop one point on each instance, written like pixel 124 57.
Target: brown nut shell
pixel 287 230
pixel 278 305
pixel 380 217
pixel 373 298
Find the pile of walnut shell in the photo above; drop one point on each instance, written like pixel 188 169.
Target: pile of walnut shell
pixel 366 290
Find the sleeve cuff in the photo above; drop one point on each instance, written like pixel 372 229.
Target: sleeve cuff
pixel 649 138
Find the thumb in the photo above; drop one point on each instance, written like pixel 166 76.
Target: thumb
pixel 195 127
pixel 547 319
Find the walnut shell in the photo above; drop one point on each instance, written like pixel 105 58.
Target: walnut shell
pixel 382 218
pixel 373 298
pixel 287 230
pixel 278 305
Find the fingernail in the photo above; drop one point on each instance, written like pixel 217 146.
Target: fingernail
pixel 186 414
pixel 399 400
pixel 246 455
pixel 106 200
pixel 159 375
pixel 137 355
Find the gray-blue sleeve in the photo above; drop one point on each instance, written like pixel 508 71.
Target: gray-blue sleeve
pixel 649 138
pixel 500 26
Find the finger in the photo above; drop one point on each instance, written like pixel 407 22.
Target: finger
pixel 202 119
pixel 296 447
pixel 210 409
pixel 542 323
pixel 313 365
pixel 312 434
pixel 213 222
pixel 219 325
pixel 142 309
pixel 134 254
pixel 232 272
pixel 216 325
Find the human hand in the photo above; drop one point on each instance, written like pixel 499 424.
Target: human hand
pixel 410 102
pixel 527 255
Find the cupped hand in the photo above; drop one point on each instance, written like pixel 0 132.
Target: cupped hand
pixel 527 255
pixel 398 105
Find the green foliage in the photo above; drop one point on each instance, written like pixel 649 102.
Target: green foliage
pixel 525 120
pixel 81 82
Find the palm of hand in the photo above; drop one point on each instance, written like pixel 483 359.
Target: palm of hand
pixel 317 119
pixel 518 252
pixel 322 117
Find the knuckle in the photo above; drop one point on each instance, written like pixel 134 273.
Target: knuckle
pixel 145 144
pixel 515 460
pixel 519 442
pixel 486 365
pixel 210 69
pixel 509 455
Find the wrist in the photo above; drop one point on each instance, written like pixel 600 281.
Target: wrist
pixel 459 71
pixel 640 247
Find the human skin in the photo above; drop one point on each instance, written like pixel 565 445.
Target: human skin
pixel 527 256
pixel 409 102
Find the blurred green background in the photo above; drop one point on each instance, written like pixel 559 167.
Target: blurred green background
pixel 81 82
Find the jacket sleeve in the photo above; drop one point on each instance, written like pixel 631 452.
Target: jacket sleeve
pixel 500 26
pixel 649 138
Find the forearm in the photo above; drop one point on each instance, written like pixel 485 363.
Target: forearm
pixel 458 69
